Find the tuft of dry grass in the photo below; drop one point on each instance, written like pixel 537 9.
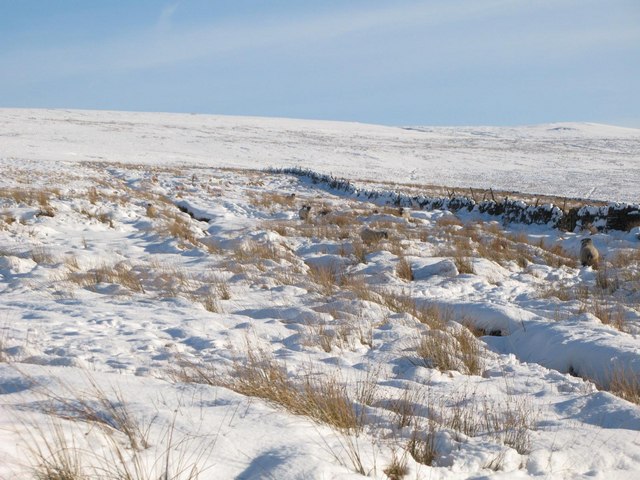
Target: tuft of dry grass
pixel 556 256
pixel 460 249
pixel 252 252
pixel 4 356
pixel 558 290
pixel 342 219
pixel 54 456
pixel 428 313
pixel 404 269
pixel 58 453
pixel 222 289
pixel 360 251
pixel 357 284
pixel 449 221
pixel 210 302
pixel 625 384
pixel 71 263
pixel 169 279
pixel 511 423
pixel 397 469
pixel 451 349
pixel 46 209
pixel 92 195
pixel 398 302
pixel 606 279
pixel 320 335
pixel 437 349
pixel 469 350
pixel 42 255
pixel 501 249
pixel 318 396
pixel 100 216
pixel 272 200
pixel 121 273
pixel 325 277
pixel 31 197
pixel 108 411
pixel 610 312
pixel 422 445
pixel 6 219
pixel 326 400
pixel 625 257
pixel 405 407
pixel 181 229
pixel 463 264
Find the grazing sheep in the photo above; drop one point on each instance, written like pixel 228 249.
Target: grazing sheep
pixel 404 212
pixel 589 255
pixel 304 212
pixel 372 236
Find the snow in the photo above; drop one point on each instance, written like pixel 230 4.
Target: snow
pixel 102 301
pixel 568 159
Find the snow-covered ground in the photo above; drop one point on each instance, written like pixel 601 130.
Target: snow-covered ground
pixel 565 159
pixel 135 339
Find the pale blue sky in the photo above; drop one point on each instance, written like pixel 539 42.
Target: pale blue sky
pixel 432 62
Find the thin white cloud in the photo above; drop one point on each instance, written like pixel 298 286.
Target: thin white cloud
pixel 164 44
pixel 166 15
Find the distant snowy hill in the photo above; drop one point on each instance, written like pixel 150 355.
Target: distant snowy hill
pixel 568 159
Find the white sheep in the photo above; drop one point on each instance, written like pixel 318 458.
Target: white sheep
pixel 404 212
pixel 369 235
pixel 304 212
pixel 589 254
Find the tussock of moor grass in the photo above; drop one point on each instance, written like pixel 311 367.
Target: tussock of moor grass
pixel 405 407
pixel 325 278
pixel 252 251
pixel 397 469
pixel 181 229
pixel 120 273
pixel 108 411
pixel 320 397
pixel 404 269
pixel 272 200
pixel 360 251
pixel 54 457
pixel 428 313
pixel 625 384
pixel 449 221
pixel 511 423
pixel 452 349
pixel 42 255
pixel 357 285
pixel 422 446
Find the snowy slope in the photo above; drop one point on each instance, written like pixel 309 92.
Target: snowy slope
pixel 568 159
pixel 128 326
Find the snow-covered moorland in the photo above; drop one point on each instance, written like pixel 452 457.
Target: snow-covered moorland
pixel 163 316
pixel 566 159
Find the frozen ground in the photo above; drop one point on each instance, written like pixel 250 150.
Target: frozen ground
pixel 566 159
pixel 138 339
